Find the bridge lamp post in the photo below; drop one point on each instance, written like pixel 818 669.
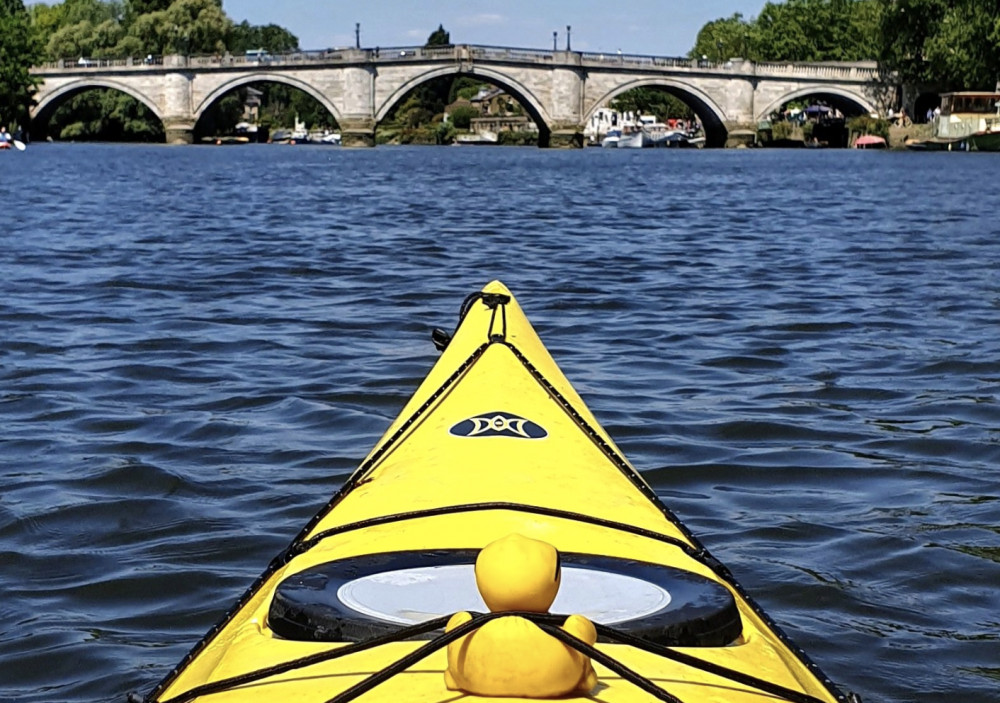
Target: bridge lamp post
pixel 568 28
pixel 555 38
pixel 357 35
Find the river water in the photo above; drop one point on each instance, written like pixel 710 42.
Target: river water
pixel 799 349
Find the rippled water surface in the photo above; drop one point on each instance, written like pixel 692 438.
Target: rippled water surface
pixel 801 350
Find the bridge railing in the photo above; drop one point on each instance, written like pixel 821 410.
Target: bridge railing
pixel 87 62
pixel 506 53
pixel 859 71
pixel 636 60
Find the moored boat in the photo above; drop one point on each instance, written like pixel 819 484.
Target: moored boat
pixel 870 141
pixel 969 121
pixel 495 442
pixel 611 139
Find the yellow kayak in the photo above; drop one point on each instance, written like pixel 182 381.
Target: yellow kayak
pixel 495 442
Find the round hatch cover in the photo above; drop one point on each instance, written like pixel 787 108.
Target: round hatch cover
pixel 361 597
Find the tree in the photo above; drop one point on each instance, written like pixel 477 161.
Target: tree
pixel 106 115
pixel 652 101
pixel 142 7
pixel 245 36
pixel 185 27
pixel 954 43
pixel 9 8
pixel 724 39
pixel 18 53
pixel 439 37
pixel 463 115
pixel 796 30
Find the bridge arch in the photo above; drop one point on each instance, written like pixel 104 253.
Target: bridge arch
pixel 520 92
pixel 48 101
pixel 847 101
pixel 266 77
pixel 712 117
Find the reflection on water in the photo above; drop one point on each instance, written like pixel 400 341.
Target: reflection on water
pixel 799 350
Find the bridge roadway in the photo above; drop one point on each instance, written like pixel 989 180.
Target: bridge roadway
pixel 561 90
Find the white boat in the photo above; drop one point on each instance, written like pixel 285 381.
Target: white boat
pixel 333 138
pixel 650 137
pixel 610 140
pixel 631 137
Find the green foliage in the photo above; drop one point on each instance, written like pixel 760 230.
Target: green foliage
pixel 464 87
pixel 245 36
pixel 281 105
pixel 135 28
pixel 142 7
pixel 9 8
pixel 462 116
pixel 223 115
pixel 723 39
pixel 185 27
pixel 508 138
pixel 864 124
pixel 782 130
pixel 652 101
pixel 796 30
pixel 953 43
pixel 111 29
pixel 439 37
pixel 105 115
pixel 18 53
pixel 445 133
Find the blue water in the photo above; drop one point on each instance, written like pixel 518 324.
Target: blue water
pixel 801 350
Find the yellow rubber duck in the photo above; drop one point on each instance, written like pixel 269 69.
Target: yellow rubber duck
pixel 512 656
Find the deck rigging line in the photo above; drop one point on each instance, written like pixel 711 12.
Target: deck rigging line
pixel 547 622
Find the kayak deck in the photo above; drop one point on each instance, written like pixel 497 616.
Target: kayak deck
pixel 494 441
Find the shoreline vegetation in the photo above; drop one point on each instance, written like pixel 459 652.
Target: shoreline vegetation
pixel 955 45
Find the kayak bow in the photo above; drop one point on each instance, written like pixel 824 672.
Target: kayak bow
pixel 495 441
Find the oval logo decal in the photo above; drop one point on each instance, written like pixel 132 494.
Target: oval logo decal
pixel 499 424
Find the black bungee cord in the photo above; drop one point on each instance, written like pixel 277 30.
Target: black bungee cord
pixel 547 622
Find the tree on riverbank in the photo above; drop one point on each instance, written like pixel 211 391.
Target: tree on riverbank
pixel 652 101
pixel 137 28
pixel 953 44
pixel 18 53
pixel 796 30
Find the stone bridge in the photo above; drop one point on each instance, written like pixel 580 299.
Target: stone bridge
pixel 561 90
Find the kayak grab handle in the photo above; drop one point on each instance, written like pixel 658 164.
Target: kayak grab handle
pixel 441 338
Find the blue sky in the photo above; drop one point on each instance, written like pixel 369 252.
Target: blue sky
pixel 660 27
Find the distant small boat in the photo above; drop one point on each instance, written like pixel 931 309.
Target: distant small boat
pixel 223 140
pixel 870 141
pixel 333 139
